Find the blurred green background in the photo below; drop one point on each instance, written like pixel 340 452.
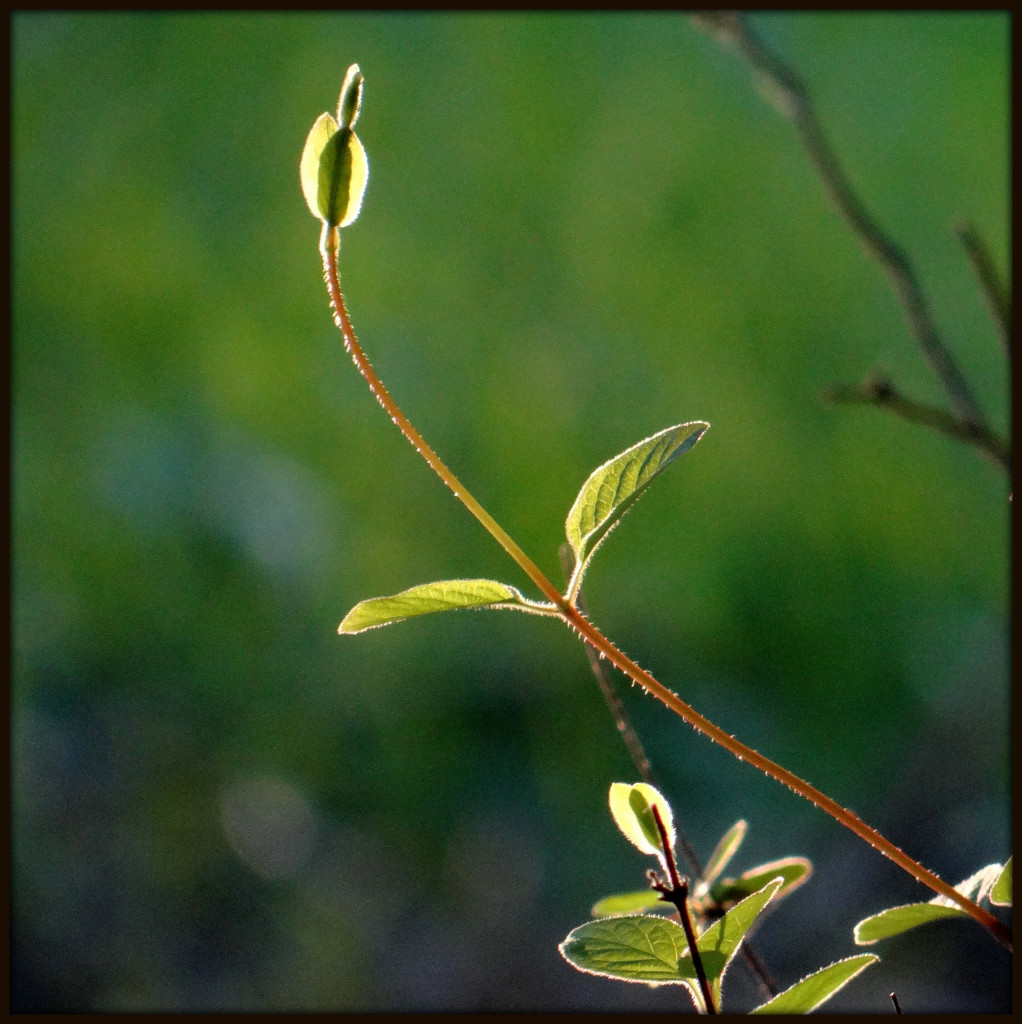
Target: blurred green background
pixel 578 230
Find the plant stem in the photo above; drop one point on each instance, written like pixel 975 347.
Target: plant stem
pixel 645 769
pixel 990 282
pixel 790 96
pixel 329 245
pixel 617 709
pixel 880 392
pixel 677 894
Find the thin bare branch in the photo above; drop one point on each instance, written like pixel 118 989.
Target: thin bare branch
pixel 788 93
pixel 880 392
pixel 994 291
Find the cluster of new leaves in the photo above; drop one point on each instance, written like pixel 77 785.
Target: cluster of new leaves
pixel 652 949
pixel 605 497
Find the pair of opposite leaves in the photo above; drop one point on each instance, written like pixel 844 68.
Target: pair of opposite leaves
pixel 334 170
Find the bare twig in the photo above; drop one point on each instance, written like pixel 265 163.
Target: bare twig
pixel 788 93
pixel 994 292
pixel 880 392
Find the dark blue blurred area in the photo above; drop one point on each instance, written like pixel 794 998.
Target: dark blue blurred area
pixel 578 230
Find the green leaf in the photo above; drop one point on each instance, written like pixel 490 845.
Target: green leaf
pixel 726 849
pixel 343 173
pixel 334 168
pixel 429 597
pixel 794 871
pixel 631 807
pixel 654 950
pixel 629 903
pixel 637 948
pixel 350 102
pixel 811 992
pixel 895 920
pixel 322 132
pixel 721 941
pixel 1000 894
pixel 613 488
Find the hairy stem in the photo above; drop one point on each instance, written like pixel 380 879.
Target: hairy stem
pixel 645 769
pixel 329 244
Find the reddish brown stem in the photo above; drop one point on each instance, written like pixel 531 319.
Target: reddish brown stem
pixel 574 618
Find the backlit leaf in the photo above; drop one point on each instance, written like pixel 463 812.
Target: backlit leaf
pixel 896 920
pixel 637 948
pixel 631 806
pixel 322 132
pixel 1000 894
pixel 722 940
pixel 615 486
pixel 794 871
pixel 726 849
pixel 811 992
pixel 343 173
pixel 350 102
pixel 429 597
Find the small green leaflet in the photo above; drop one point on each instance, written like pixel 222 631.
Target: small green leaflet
pixel 442 596
pixel 723 939
pixel 637 948
pixel 631 807
pixel 896 920
pixel 726 849
pixel 1000 894
pixel 613 488
pixel 809 993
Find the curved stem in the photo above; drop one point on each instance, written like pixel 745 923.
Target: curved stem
pixel 328 247
pixel 744 753
pixel 329 244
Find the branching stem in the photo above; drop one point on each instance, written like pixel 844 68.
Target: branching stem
pixel 880 392
pixel 329 245
pixel 788 92
pixel 676 893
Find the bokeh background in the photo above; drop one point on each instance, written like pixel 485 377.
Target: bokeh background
pixel 578 230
